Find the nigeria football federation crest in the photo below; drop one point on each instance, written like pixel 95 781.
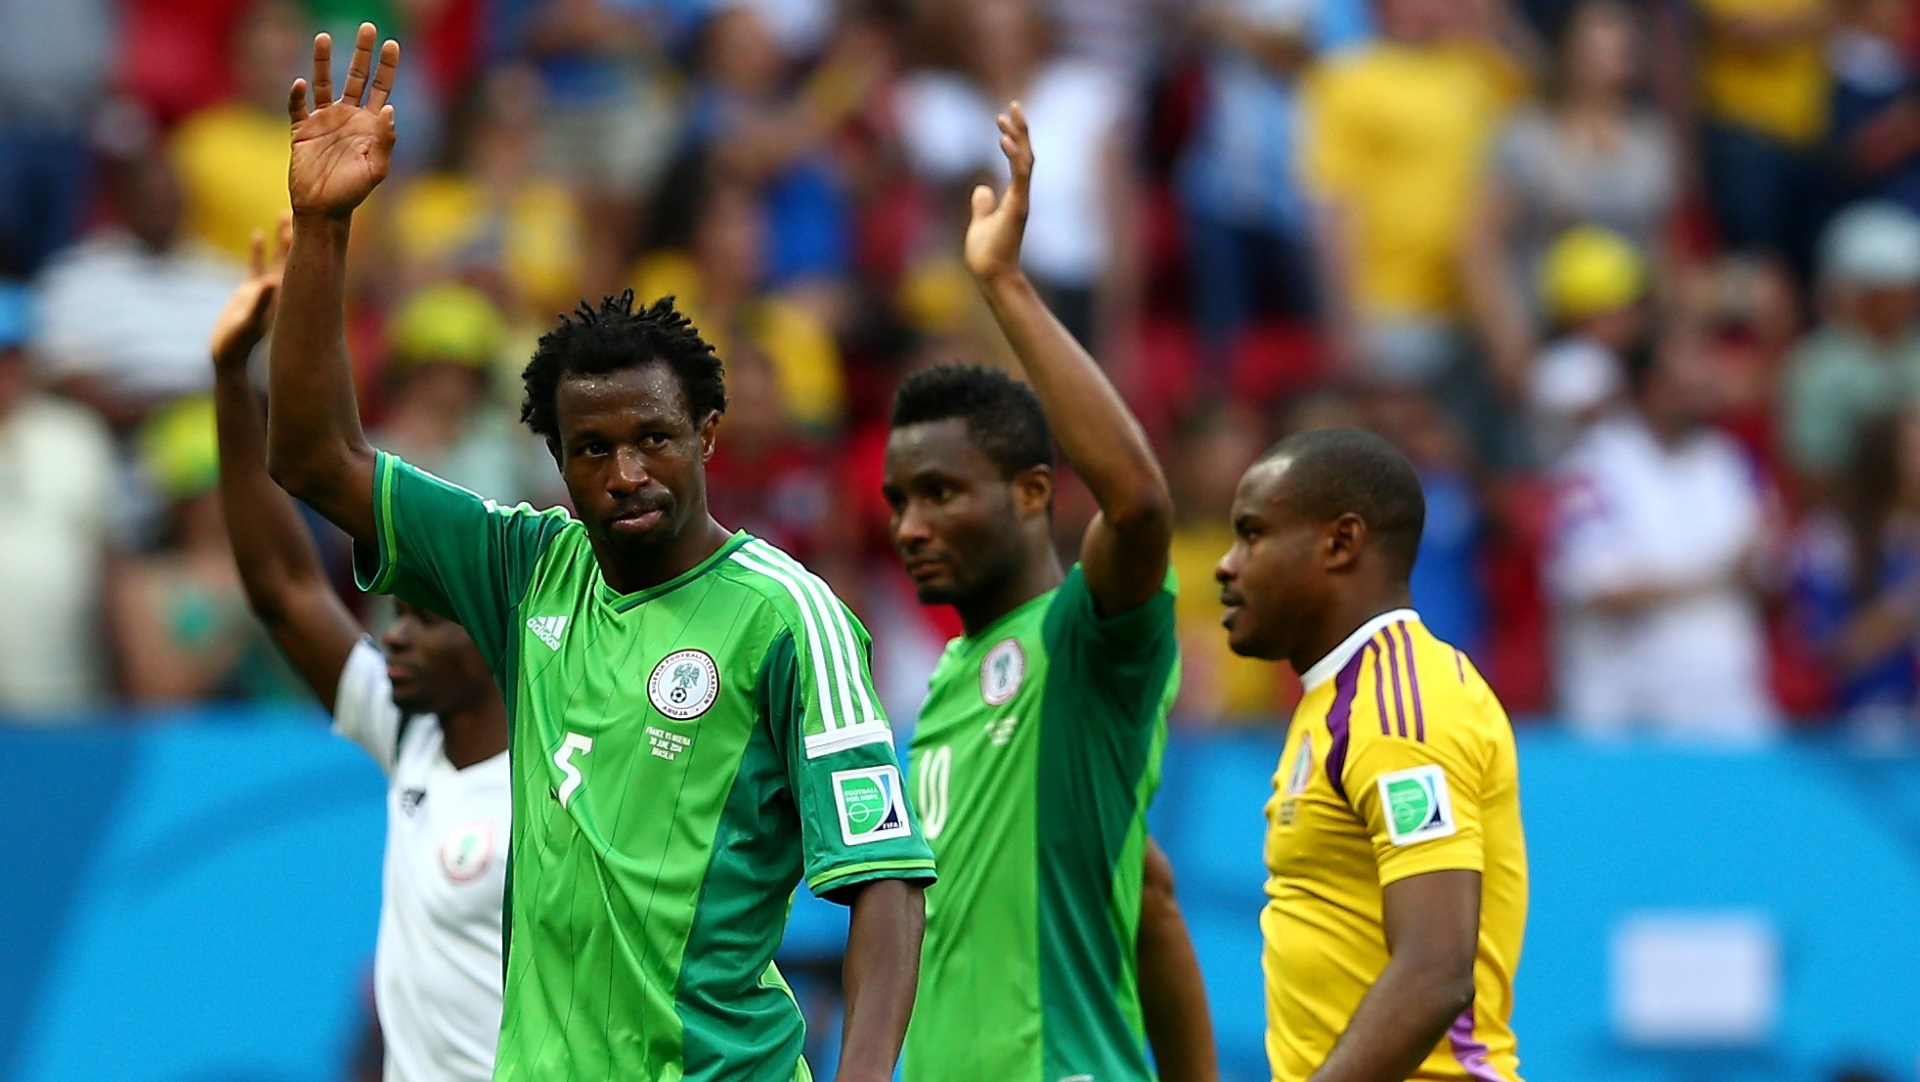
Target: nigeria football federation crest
pixel 1001 672
pixel 684 685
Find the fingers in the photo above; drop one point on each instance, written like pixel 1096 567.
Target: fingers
pixel 297 101
pixel 361 64
pixel 257 254
pixel 1016 143
pixel 383 75
pixel 322 70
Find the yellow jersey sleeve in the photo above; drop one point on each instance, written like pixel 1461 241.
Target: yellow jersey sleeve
pixel 1415 771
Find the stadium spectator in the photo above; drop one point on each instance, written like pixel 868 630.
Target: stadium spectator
pixel 1764 100
pixel 180 619
pixel 612 115
pixel 57 481
pixel 1856 579
pixel 1876 115
pixel 123 315
pixel 54 57
pixel 493 206
pixel 1395 134
pixel 1247 238
pixel 445 344
pixel 233 156
pixel 1446 580
pixel 1080 247
pixel 1864 359
pixel 1660 524
pixel 1593 287
pixel 1591 154
pixel 719 281
pixel 768 478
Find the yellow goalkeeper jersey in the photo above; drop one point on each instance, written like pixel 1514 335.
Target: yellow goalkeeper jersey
pixel 1400 761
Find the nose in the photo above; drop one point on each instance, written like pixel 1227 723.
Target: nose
pixel 629 473
pixel 1228 569
pixel 398 635
pixel 910 528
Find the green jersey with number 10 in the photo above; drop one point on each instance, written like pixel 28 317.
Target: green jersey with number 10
pixel 1035 757
pixel 681 758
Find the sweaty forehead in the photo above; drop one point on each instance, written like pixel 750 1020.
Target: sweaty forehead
pixel 945 447
pixel 645 391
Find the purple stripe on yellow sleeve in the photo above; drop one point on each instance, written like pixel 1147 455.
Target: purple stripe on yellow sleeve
pixel 1399 699
pixel 1469 1051
pixel 1413 681
pixel 1338 720
pixel 1379 686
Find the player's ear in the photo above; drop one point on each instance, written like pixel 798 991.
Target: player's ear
pixel 1033 490
pixel 709 435
pixel 1342 540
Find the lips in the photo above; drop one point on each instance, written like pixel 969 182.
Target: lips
pixel 1233 605
pixel 400 673
pixel 924 568
pixel 638 520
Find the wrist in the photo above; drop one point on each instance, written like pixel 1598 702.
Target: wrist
pixel 1008 282
pixel 323 222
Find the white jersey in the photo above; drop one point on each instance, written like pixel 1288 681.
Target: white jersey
pixel 437 970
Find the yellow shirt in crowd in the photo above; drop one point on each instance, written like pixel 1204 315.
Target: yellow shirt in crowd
pixel 1779 90
pixel 536 234
pixel 233 174
pixel 1396 136
pixel 1399 762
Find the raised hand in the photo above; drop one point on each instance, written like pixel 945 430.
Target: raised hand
pixel 249 311
pixel 993 237
pixel 341 147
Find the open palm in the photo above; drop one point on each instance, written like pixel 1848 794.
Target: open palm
pixel 993 237
pixel 341 147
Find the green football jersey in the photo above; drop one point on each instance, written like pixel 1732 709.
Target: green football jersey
pixel 1033 763
pixel 681 758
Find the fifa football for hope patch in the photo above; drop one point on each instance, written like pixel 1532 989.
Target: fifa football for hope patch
pixel 1417 805
pixel 872 804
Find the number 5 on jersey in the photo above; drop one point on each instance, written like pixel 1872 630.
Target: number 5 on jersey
pixel 563 759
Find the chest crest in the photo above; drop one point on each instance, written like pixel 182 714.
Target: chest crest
pixel 1002 672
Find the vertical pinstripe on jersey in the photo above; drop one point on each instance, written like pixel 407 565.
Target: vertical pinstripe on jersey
pixel 1344 685
pixel 1413 682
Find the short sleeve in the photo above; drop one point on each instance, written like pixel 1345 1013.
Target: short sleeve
pixel 856 824
pixel 1124 660
pixel 363 709
pixel 450 551
pixel 1420 799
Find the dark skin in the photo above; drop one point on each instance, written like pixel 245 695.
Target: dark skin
pixel 633 458
pixel 981 541
pixel 1295 588
pixel 434 666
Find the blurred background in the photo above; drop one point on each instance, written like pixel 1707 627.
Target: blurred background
pixel 1635 283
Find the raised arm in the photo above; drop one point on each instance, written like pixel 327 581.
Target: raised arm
pixel 340 152
pixel 1433 928
pixel 1125 552
pixel 1173 998
pixel 279 567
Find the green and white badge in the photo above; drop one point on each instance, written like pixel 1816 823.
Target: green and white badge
pixel 1417 805
pixel 872 805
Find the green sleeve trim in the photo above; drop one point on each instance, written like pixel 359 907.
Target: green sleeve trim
pixel 387 566
pixel 877 869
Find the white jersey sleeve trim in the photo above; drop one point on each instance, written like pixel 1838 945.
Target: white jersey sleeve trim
pixel 853 736
pixel 363 709
pixel 830 672
pixel 840 629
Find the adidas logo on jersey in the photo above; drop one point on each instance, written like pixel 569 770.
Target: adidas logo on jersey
pixel 548 628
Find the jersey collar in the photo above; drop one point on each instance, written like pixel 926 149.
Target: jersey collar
pixel 1324 669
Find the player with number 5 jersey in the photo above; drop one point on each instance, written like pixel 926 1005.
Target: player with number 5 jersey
pixel 1054 949
pixel 694 726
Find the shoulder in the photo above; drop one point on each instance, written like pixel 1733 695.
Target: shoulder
pixel 1413 696
pixel 797 600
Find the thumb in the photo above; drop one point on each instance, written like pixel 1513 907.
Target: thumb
pixel 982 201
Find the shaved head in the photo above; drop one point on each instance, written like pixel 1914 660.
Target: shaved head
pixel 1328 472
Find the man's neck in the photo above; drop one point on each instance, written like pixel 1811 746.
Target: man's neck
pixel 1345 618
pixel 474 734
pixel 645 571
pixel 1040 574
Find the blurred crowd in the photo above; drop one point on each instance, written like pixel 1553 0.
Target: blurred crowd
pixel 1636 283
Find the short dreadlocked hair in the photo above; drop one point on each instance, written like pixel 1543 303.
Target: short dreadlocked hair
pixel 611 338
pixel 1003 416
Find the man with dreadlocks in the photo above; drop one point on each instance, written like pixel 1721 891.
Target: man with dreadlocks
pixel 695 727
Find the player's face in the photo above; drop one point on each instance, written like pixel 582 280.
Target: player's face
pixel 433 665
pixel 960 526
pixel 632 456
pixel 1267 579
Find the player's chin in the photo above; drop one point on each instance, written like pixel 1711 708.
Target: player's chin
pixel 412 699
pixel 935 591
pixel 1245 639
